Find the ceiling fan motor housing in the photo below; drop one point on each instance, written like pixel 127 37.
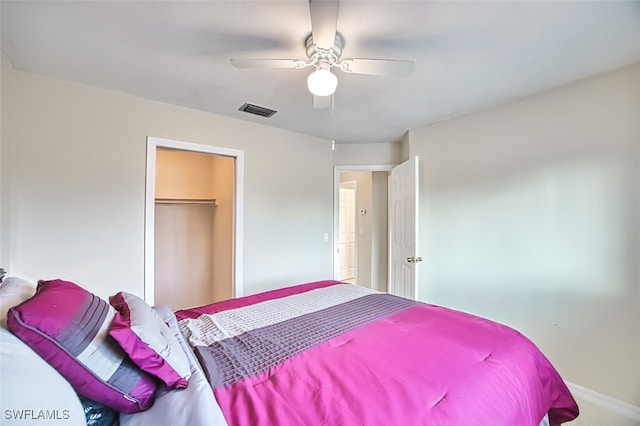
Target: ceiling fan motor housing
pixel 318 55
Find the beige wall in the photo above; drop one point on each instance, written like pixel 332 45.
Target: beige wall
pixel 184 174
pixel 223 169
pixel 380 226
pixel 530 215
pixel 183 254
pixel 78 186
pixel 367 154
pixel 6 90
pixel 405 147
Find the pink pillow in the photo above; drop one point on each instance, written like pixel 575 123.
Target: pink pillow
pixel 69 327
pixel 148 340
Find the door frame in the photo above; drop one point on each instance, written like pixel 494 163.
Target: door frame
pixel 153 144
pixel 336 202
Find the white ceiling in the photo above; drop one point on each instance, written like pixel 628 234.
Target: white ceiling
pixel 469 55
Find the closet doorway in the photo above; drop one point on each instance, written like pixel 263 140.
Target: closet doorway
pixel 193 209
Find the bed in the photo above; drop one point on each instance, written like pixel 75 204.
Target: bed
pixel 330 353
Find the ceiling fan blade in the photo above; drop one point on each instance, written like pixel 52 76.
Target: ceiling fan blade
pixel 267 63
pixel 322 101
pixel 324 22
pixel 383 67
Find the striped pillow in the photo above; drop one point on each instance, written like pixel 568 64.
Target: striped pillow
pixel 69 327
pixel 148 340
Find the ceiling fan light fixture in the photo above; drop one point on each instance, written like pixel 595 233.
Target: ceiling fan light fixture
pixel 322 82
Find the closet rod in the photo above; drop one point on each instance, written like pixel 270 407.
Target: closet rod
pixel 186 201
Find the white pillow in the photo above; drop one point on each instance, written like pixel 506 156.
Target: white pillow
pixel 13 291
pixel 32 391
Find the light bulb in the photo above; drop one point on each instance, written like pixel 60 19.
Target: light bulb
pixel 322 82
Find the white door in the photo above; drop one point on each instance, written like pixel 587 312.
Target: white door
pixel 347 233
pixel 403 229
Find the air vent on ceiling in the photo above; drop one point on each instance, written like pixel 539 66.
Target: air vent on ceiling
pixel 257 110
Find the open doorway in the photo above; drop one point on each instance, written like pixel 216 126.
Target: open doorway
pixel 193 224
pixel 370 220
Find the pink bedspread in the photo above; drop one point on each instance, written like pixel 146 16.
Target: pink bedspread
pixel 328 353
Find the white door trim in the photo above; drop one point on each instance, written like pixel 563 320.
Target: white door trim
pixel 149 223
pixel 336 201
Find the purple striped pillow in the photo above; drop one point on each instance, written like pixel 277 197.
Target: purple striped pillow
pixel 148 340
pixel 69 327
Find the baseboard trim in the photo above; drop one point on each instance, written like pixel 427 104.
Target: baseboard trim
pixel 620 407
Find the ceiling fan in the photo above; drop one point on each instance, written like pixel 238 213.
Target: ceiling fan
pixel 324 49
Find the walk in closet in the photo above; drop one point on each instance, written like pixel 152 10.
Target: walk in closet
pixel 193 261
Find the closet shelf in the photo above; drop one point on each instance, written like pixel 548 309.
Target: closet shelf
pixel 186 201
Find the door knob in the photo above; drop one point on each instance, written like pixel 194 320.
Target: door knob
pixel 414 259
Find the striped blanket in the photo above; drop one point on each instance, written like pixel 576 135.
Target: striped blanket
pixel 328 353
